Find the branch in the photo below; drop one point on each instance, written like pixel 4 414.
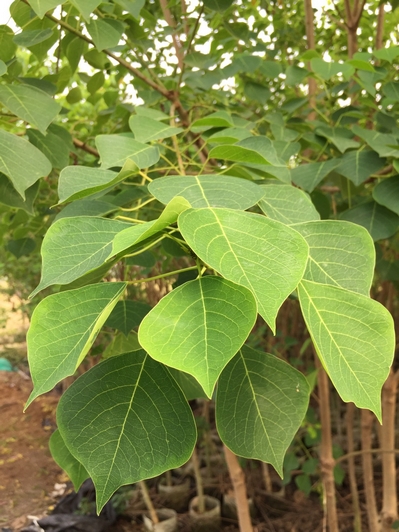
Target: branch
pixel 359 13
pixel 79 144
pixel 172 23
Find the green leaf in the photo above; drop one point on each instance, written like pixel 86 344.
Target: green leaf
pixel 3 68
pixel 339 136
pixel 135 234
pixel 40 7
pixel 9 196
pixel 105 33
pixel 208 191
pixel 127 314
pixel 53 147
pixel 260 404
pixel 229 135
pixel 218 5
pixel 391 90
pixel 200 326
pixel 387 54
pixel 74 246
pixel 354 338
pixel 86 7
pixel 190 386
pixel 359 165
pixel 154 114
pixel 63 457
pixel 86 207
pixel 77 182
pixel 21 246
pixel 295 75
pixel 126 420
pixel 7 45
pixel 326 69
pixel 287 204
pixel 132 6
pixel 340 254
pixel 96 82
pixel 146 129
pixel 30 104
pixel 386 193
pixel 116 149
pixel 380 222
pixel 308 176
pixel 122 344
pixel 29 38
pixel 63 329
pixel 383 143
pixel 360 65
pixel 14 152
pixel 257 92
pixel 263 255
pixel 218 119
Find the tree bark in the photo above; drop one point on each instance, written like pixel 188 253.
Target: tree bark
pixel 240 491
pixel 327 461
pixel 368 476
pixel 389 512
pixel 379 38
pixel 357 520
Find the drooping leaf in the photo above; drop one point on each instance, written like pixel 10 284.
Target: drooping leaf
pixel 218 119
pixel 9 196
pixel 74 246
pixel 391 90
pixel 14 152
pixel 358 165
pixel 116 149
pixel 340 254
pixel 53 147
pixel 30 104
pixel 31 37
pixel 85 6
pixel 387 54
pixel 218 5
pixel 127 314
pixel 308 176
pixel 190 386
pixel 121 344
pixel 3 68
pixel 77 182
pixel 386 193
pixel 339 136
pixel 146 129
pixel 21 246
pixel 379 221
pixel 199 327
pixel 383 143
pixel 40 7
pixel 135 234
pixel 326 69
pixel 287 204
pixel 86 207
pixel 105 33
pixel 7 44
pixel 263 255
pixel 63 329
pixel 132 6
pixel 208 191
pixel 260 404
pixel 126 420
pixel 354 338
pixel 63 457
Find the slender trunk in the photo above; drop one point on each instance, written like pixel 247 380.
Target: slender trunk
pixel 327 461
pixel 352 42
pixel 198 482
pixel 379 38
pixel 389 512
pixel 240 491
pixel 266 477
pixel 312 86
pixel 357 519
pixel 368 476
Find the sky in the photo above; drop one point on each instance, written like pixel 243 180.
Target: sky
pixel 5 10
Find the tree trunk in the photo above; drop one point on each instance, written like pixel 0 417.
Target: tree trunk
pixel 240 491
pixel 357 519
pixel 379 38
pixel 327 461
pixel 389 512
pixel 368 476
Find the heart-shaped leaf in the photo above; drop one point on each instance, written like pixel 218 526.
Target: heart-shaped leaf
pixel 126 420
pixel 263 255
pixel 62 330
pixel 340 254
pixel 116 149
pixel 287 204
pixel 199 327
pixel 354 338
pixel 260 404
pixel 208 191
pixel 62 455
